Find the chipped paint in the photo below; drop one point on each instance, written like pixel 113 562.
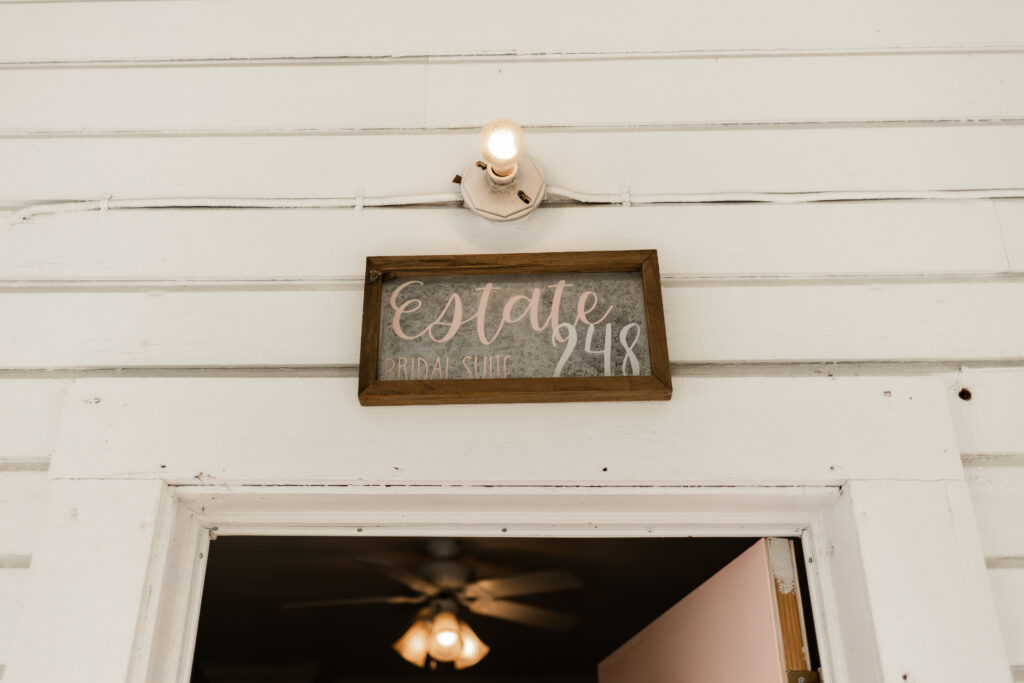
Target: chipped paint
pixel 782 565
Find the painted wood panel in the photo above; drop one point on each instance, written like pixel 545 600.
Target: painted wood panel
pixel 180 29
pixel 730 159
pixel 991 422
pixel 561 93
pixel 29 414
pixel 169 616
pixel 88 583
pixel 31 410
pixel 485 511
pixel 693 241
pixel 996 492
pixel 15 585
pixel 1008 587
pixel 914 528
pixel 199 327
pixel 22 497
pixel 723 430
pixel 839 594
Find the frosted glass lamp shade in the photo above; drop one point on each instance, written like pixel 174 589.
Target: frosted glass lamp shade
pixel 414 645
pixel 473 649
pixel 445 641
pixel 501 143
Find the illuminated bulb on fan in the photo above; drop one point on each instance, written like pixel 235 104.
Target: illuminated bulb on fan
pixel 446 638
pixel 445 641
pixel 473 649
pixel 501 143
pixel 414 645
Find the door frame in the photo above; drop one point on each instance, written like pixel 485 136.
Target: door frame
pixel 897 578
pixel 165 639
pixel 866 470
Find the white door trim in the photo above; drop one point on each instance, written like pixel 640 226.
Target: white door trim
pixel 866 469
pixel 896 574
pixel 496 511
pixel 840 579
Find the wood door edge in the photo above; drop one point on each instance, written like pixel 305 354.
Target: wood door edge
pixel 789 617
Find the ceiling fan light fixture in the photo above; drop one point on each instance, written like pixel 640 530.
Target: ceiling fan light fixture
pixel 473 649
pixel 445 639
pixel 443 586
pixel 414 645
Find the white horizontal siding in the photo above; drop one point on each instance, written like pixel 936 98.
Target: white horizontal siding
pixel 389 95
pixel 250 29
pixel 1011 219
pixel 895 158
pixel 277 98
pixel 827 239
pixel 706 324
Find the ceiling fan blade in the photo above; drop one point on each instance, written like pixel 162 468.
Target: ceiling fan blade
pixel 523 584
pixel 390 600
pixel 401 575
pixel 523 614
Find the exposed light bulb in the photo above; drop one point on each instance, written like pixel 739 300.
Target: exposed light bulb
pixel 473 649
pixel 501 143
pixel 446 638
pixel 507 184
pixel 445 641
pixel 414 645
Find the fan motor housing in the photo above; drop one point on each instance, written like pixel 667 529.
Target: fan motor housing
pixel 446 574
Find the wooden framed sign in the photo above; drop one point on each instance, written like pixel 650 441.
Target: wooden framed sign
pixel 511 328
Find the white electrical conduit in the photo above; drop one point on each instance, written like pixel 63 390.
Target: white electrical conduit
pixel 625 198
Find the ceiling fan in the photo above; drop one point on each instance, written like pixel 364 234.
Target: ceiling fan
pixel 442 585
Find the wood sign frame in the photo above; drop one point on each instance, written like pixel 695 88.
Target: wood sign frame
pixel 374 392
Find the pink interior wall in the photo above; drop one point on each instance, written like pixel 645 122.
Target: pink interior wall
pixel 722 631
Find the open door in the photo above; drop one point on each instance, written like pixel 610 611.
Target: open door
pixel 745 623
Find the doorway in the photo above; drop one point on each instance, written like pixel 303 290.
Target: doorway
pixel 263 617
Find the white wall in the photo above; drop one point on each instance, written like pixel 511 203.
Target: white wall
pixel 895 106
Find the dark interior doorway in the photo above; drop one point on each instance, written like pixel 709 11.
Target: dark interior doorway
pixel 246 636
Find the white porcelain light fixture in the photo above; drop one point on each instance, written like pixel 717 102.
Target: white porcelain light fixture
pixel 506 184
